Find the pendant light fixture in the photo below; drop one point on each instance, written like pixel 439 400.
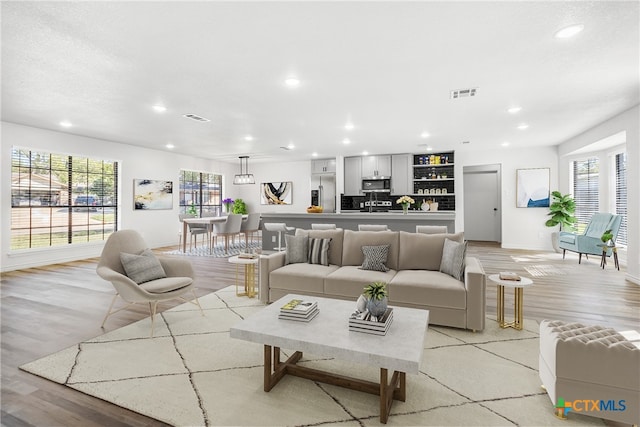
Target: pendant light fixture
pixel 244 177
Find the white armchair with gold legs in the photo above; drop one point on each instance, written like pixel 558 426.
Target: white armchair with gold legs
pixel 139 277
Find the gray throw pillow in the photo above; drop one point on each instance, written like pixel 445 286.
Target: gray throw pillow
pixel 297 249
pixel 142 268
pixel 453 254
pixel 319 251
pixel 375 257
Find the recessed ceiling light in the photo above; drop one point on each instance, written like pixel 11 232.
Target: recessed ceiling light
pixel 159 108
pixel 569 31
pixel 65 124
pixel 292 82
pixel 291 146
pixel 429 148
pixel 424 135
pixel 523 126
pixel 365 153
pixel 514 110
pixel 314 154
pixel 170 146
pixel 349 126
pixel 346 141
pixel 248 138
pixel 505 144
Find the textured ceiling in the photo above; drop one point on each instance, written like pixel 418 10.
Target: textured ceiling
pixel 387 67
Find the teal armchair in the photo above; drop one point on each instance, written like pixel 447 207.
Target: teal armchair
pixel 588 242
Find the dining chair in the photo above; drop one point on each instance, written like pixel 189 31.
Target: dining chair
pixel 229 228
pixel 431 229
pixel 323 226
pixel 372 227
pixel 249 226
pixel 194 229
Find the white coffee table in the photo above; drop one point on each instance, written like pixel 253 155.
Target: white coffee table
pixel 519 286
pixel 328 334
pixel 249 275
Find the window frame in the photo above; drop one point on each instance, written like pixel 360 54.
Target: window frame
pixel 197 189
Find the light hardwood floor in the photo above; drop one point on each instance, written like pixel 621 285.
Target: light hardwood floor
pixel 46 309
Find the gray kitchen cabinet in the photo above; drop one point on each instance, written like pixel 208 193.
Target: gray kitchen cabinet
pixel 402 174
pixel 352 176
pixel 320 166
pixel 376 166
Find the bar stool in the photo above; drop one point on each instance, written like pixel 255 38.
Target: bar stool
pixel 372 227
pixel 431 229
pixel 323 226
pixel 280 227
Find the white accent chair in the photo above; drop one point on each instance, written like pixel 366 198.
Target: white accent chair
pixel 432 229
pixel 229 228
pixel 279 227
pixel 178 282
pixel 323 226
pixel 249 226
pixel 372 227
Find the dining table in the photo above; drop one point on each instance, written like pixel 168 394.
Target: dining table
pixel 209 220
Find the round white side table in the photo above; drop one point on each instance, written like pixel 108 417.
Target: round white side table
pixel 250 289
pixel 519 286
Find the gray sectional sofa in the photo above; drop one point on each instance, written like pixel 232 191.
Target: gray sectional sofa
pixel 414 279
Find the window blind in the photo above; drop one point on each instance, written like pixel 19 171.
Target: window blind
pixel 200 191
pixel 621 196
pixel 585 190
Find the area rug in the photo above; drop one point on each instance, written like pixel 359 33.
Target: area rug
pixel 218 251
pixel 193 374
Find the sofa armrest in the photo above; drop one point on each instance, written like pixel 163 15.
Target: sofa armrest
pixel 476 284
pixel 268 263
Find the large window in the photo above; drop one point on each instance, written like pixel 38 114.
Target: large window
pixel 585 190
pixel 58 199
pixel 200 192
pixel 621 196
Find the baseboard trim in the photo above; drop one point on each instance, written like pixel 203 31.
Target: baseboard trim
pixel 632 279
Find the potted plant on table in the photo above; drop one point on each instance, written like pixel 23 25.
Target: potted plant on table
pixel 227 204
pixel 239 207
pixel 376 292
pixel 562 211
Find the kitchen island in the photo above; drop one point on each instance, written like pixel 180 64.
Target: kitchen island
pixel 396 221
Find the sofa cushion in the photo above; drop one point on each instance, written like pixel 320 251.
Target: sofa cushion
pixel 336 236
pixel 423 287
pixel 143 267
pixel 301 277
pixel 319 251
pixel 355 240
pixel 167 284
pixel 349 281
pixel 453 254
pixel 423 251
pixel 297 249
pixel 375 257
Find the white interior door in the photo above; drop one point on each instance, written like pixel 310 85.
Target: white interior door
pixel 482 213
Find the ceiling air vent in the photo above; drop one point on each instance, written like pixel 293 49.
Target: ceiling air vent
pixel 464 93
pixel 285 148
pixel 196 118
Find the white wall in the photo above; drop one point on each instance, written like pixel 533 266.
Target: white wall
pixel 522 228
pixel 629 122
pixel 159 228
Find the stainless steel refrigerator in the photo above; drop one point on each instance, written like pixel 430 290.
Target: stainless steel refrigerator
pixel 323 192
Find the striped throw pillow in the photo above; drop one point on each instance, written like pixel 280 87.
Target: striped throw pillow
pixel 453 254
pixel 375 258
pixel 319 251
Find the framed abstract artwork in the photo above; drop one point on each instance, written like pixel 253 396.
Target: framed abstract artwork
pixel 276 193
pixel 532 188
pixel 149 194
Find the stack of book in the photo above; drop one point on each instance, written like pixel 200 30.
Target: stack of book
pixel 509 275
pixel 300 310
pixel 364 322
pixel 245 255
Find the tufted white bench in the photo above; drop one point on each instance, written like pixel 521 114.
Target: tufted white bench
pixel 590 370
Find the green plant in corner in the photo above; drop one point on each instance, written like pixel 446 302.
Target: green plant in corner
pixel 239 207
pixel 562 211
pixel 375 290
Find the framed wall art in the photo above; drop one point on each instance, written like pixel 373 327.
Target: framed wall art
pixel 149 194
pixel 276 193
pixel 532 188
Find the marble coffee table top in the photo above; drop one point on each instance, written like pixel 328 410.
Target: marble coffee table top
pixel 328 334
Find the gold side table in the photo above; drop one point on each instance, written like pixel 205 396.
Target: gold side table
pixel 250 288
pixel 519 286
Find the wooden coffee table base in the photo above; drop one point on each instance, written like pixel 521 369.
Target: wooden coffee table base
pixel 274 370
